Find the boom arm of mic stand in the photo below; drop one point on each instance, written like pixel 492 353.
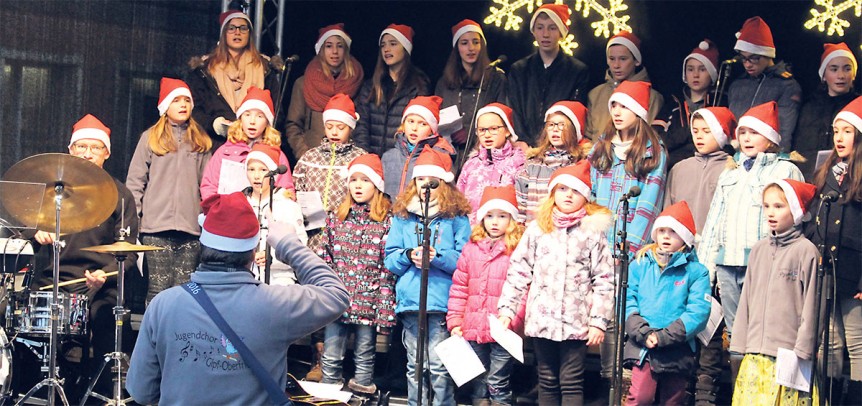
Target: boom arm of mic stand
pixel 471 126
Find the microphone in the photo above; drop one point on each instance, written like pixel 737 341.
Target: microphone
pixel 635 191
pixel 281 169
pixel 500 59
pixel 831 196
pixel 431 184
pixel 291 59
pixel 731 61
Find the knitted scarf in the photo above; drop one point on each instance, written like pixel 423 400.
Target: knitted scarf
pixel 566 220
pixel 319 88
pixel 234 79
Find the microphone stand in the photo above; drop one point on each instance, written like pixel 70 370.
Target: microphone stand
pixel 620 308
pixel 423 300
pixel 823 283
pixel 267 269
pixel 472 127
pixel 724 75
pixel 285 75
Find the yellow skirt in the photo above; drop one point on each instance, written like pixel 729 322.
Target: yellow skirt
pixel 755 385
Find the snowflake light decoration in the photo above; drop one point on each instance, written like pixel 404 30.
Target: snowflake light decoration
pixel 832 14
pixel 505 14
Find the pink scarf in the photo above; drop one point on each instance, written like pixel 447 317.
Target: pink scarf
pixel 563 220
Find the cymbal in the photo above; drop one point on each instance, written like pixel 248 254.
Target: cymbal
pixel 89 194
pixel 120 247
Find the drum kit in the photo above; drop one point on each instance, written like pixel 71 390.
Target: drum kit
pixel 76 195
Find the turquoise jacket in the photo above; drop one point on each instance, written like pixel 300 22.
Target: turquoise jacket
pixel 448 236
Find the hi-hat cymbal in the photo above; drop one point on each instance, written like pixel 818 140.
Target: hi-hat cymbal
pixel 121 247
pixel 89 194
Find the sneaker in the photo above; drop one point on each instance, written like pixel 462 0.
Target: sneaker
pixel 366 389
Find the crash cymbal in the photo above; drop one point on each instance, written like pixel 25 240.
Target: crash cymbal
pixel 120 247
pixel 89 194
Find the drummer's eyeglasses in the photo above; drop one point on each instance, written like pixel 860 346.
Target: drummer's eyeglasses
pixel 242 28
pixel 80 148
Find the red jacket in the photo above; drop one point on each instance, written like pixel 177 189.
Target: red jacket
pixel 476 287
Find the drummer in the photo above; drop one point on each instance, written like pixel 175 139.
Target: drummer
pixel 91 141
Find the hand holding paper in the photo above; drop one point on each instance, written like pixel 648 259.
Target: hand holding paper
pixel 508 339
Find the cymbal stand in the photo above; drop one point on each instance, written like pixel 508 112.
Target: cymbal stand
pixel 54 383
pixel 118 356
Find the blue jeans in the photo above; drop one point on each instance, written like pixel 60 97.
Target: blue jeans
pixel 441 384
pixel 494 383
pixel 730 280
pixel 334 346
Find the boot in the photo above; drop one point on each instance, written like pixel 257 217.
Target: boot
pixel 705 391
pixel 316 373
pixel 834 391
pixel 854 393
pixel 735 363
pixel 363 389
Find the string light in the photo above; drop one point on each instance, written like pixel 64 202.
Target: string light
pixel 831 14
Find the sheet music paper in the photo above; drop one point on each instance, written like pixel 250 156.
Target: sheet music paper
pixel 716 314
pixel 312 209
pixel 450 120
pixel 792 371
pixel 232 177
pixel 507 339
pixel 326 391
pixel 459 359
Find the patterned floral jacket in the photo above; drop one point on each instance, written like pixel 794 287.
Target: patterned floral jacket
pixel 569 277
pixel 489 167
pixel 355 249
pixel 326 160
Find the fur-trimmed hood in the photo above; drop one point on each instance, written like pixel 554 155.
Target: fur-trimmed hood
pixel 598 219
pixel 271 63
pixel 734 160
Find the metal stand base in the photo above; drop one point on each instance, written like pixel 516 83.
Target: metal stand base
pixel 53 384
pixel 118 358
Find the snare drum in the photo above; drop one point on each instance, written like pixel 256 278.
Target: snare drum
pixel 35 318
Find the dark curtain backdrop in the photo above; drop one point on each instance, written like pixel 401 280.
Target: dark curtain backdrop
pixel 63 59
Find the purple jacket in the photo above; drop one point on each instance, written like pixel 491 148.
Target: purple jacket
pixel 481 170
pixel 476 287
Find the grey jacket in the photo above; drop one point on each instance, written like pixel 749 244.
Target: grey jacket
pixel 167 188
pixel 775 83
pixel 694 180
pixel 776 309
pixel 182 358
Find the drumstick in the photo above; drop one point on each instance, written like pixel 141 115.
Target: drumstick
pixel 74 281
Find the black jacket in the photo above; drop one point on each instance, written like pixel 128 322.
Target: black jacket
pixel 677 113
pixel 209 103
pixel 377 125
pixel 844 237
pixel 814 129
pixel 533 89
pixel 674 357
pixel 493 90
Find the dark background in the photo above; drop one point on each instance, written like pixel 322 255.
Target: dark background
pixel 63 59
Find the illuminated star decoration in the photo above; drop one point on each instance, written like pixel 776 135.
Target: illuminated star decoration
pixel 832 14
pixel 505 15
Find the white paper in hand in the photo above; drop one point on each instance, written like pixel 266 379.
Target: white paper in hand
pixel 716 314
pixel 508 339
pixel 231 177
pixel 312 209
pixel 326 391
pixel 792 371
pixel 450 120
pixel 459 359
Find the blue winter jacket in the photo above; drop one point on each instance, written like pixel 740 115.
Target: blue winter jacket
pixel 448 236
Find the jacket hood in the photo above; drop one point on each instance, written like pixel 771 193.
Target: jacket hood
pixel 270 63
pixel 598 219
pixel 640 75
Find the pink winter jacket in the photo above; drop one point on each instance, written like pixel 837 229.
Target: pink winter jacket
pixel 568 277
pixel 499 168
pixel 237 152
pixel 476 286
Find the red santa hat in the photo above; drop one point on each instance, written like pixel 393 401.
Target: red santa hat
pixel 228 223
pixel 851 113
pixel 341 108
pixel 258 99
pixel 762 118
pixel 576 177
pixel 264 153
pixel 634 96
pixel 574 111
pixel 707 54
pixel 628 40
pixel 755 37
pixel 427 107
pixel 434 164
pixel 558 13
pixel 402 33
pixel 324 33
pixel 832 51
pixel 798 195
pixel 171 89
pixel 90 128
pixel 505 112
pixel 721 122
pixel 224 18
pixel 464 27
pixel 678 218
pixel 370 166
pixel 498 198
